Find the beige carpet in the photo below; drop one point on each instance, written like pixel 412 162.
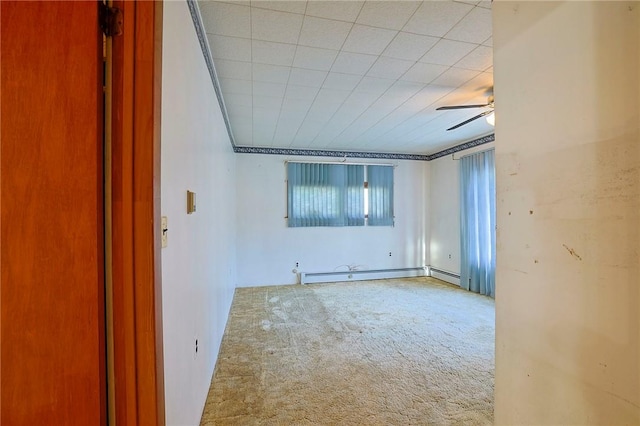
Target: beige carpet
pixel 386 352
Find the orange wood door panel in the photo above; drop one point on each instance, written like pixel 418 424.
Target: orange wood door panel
pixel 52 300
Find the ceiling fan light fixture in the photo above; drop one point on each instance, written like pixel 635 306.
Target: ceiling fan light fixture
pixel 491 118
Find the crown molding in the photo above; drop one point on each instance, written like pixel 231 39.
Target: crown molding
pixel 208 58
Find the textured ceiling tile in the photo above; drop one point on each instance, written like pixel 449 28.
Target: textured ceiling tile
pixel 374 85
pixel 231 85
pixel 301 92
pixel 368 40
pixel 292 106
pixel 424 73
pixel 238 100
pixel 304 77
pixel 427 96
pixel 447 52
pixel 269 25
pixel 265 114
pixel 325 33
pixel 297 6
pixel 485 3
pixel 226 19
pixel 268 98
pixel 314 58
pixel 331 96
pixel 243 132
pixel 400 91
pixel 389 68
pixel 261 88
pixel 233 69
pixel 476 27
pixel 455 77
pixel 284 136
pixel 269 102
pixel 240 111
pixel 353 63
pixel 479 59
pixel 482 82
pixel 339 10
pixel 323 112
pixel 436 18
pixel 409 46
pixel 270 73
pixel 387 14
pixel 268 52
pixel 341 81
pixel 308 130
pixel 233 48
pixel 362 98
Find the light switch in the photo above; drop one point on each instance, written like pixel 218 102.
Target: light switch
pixel 191 202
pixel 164 230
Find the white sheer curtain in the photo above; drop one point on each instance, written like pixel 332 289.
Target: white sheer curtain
pixel 478 223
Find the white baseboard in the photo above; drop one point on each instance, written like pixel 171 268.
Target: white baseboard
pixel 377 274
pixel 448 276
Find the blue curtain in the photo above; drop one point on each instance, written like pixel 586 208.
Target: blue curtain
pixel 380 180
pixel 478 223
pixel 325 195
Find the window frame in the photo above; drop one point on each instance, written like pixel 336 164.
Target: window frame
pixel 344 217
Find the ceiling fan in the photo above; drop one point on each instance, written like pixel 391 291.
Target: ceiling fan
pixel 489 105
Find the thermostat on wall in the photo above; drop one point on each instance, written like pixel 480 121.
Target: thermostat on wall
pixel 191 202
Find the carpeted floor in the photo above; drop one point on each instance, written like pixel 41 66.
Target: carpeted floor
pixel 386 352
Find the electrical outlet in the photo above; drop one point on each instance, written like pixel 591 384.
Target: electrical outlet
pixel 297 264
pixel 449 256
pixel 389 254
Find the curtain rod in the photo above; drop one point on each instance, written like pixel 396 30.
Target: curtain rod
pixel 341 162
pixel 473 153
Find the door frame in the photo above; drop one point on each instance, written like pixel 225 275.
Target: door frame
pixel 135 244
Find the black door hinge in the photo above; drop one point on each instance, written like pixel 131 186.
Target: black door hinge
pixel 111 20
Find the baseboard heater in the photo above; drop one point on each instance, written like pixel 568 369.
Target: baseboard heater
pixel 443 275
pixel 371 274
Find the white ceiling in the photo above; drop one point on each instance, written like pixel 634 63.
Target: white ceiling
pixel 351 75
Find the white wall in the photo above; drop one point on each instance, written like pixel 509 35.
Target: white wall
pixel 568 212
pixel 444 207
pixel 198 266
pixel 268 250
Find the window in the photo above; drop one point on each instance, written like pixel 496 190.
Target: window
pixel 324 194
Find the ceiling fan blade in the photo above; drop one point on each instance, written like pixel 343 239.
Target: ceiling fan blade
pixel 482 114
pixel 461 107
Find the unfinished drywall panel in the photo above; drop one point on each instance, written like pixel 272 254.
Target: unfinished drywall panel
pixel 198 264
pixel 568 212
pixel 269 252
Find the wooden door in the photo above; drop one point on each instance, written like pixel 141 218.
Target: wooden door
pixel 52 300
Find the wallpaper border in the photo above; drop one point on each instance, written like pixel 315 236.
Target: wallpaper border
pixel 358 154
